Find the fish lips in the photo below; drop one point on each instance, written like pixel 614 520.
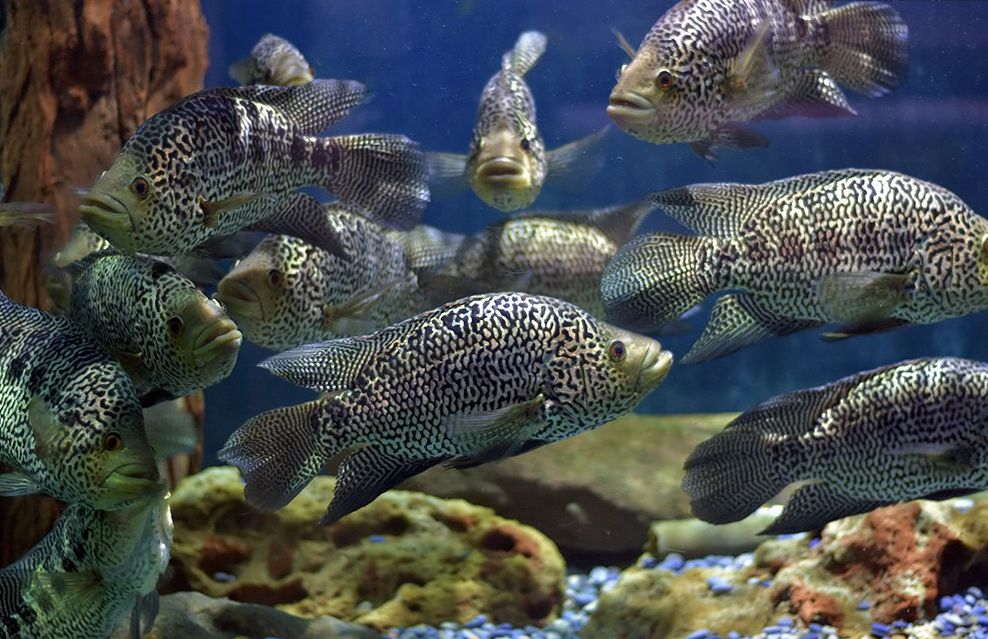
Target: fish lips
pixel 217 340
pixel 112 219
pixel 628 107
pixel 239 299
pixel 654 368
pixel 503 172
pixel 130 482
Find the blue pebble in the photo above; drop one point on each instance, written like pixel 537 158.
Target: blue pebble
pixel 703 633
pixel 785 622
pixel 476 622
pixel 815 627
pixel 946 602
pixel 734 634
pixel 977 592
pixel 765 583
pixel 773 630
pixel 880 629
pixel 376 539
pixel 583 598
pixel 899 623
pixel 673 562
pixel 649 562
pixel 814 542
pixel 978 610
pixel 982 620
pixel 864 605
pixel 809 635
pixel 718 586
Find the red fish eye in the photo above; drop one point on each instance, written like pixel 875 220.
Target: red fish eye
pixel 664 79
pixel 112 442
pixel 140 187
pixel 175 326
pixel 275 277
pixel 616 350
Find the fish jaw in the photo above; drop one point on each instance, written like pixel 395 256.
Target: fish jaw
pixel 130 483
pixel 655 366
pixel 501 173
pixel 111 219
pixel 629 108
pixel 210 337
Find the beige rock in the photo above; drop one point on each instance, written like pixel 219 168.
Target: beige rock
pixel 405 559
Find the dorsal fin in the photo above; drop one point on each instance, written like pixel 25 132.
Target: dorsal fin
pixel 526 52
pixel 618 222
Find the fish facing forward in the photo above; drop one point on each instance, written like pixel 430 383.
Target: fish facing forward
pixel 508 163
pixel 288 292
pixel 226 159
pixel 70 422
pixel 866 250
pixel 170 337
pixel 708 66
pixel 273 60
pixel 89 573
pixel 476 380
pixel 913 430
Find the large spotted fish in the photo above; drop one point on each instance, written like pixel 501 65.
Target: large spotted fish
pixel 913 430
pixel 508 163
pixel 91 572
pixel 170 337
pixel 475 380
pixel 226 159
pixel 273 60
pixel 288 292
pixel 867 250
pixel 70 423
pixel 708 66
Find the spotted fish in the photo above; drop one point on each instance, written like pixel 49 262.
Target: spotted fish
pixel 476 380
pixel 867 250
pixel 226 159
pixel 912 430
pixel 70 422
pixel 708 66
pixel 170 337
pixel 559 254
pixel 91 572
pixel 508 163
pixel 288 292
pixel 273 60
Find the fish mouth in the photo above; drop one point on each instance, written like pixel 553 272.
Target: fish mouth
pixel 130 482
pixel 217 340
pixel 111 218
pixel 502 171
pixel 629 106
pixel 654 368
pixel 239 299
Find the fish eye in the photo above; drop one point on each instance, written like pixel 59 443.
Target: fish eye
pixel 140 187
pixel 275 277
pixel 112 442
pixel 175 326
pixel 665 79
pixel 526 145
pixel 616 351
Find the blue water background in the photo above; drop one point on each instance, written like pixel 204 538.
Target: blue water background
pixel 427 62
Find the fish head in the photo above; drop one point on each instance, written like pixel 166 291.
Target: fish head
pixel 507 165
pixel 983 259
pixel 640 363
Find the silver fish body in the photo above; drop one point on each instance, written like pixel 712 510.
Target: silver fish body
pixel 867 250
pixel 472 381
pixel 273 60
pixel 912 430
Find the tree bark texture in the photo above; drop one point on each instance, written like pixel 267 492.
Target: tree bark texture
pixel 76 79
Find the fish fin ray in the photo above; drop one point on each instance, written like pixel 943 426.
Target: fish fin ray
pixel 618 223
pixel 579 160
pixel 729 136
pixel 325 366
pixel 815 505
pixel 623 43
pixel 815 95
pixel 864 328
pixel 303 216
pixel 427 247
pixel 213 210
pixel 167 435
pixel 313 107
pixel 861 297
pixel 753 77
pixel 17 484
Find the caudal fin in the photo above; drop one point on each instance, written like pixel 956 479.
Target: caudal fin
pixel 383 176
pixel 277 454
pixel 656 278
pixel 867 48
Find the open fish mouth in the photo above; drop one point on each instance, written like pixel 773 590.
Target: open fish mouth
pixel 502 170
pixel 218 339
pixel 111 218
pixel 630 107
pixel 655 366
pixel 239 299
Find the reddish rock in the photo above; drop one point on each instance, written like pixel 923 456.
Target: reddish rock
pixel 280 559
pixel 221 554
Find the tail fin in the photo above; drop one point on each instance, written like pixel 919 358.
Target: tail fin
pixel 526 52
pixel 867 46
pixel 657 278
pixel 384 176
pixel 277 453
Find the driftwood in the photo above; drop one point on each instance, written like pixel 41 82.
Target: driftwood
pixel 76 79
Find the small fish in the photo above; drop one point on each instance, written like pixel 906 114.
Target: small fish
pixel 70 422
pixel 170 337
pixel 559 254
pixel 25 214
pixel 288 292
pixel 89 573
pixel 473 381
pixel 508 162
pixel 273 60
pixel 866 250
pixel 226 159
pixel 912 430
pixel 709 66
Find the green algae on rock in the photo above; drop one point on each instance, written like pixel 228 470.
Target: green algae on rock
pixel 406 559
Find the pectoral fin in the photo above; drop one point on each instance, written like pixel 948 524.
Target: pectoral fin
pixel 212 210
pixel 754 78
pixel 731 136
pixel 495 434
pixel 862 297
pixel 17 485
pixel 357 307
pixel 45 426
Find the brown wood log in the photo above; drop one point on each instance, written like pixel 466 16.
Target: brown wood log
pixel 76 79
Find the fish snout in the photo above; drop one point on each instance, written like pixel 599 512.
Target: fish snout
pixel 503 171
pixel 655 366
pixel 240 298
pixel 130 482
pixel 628 107
pixel 110 218
pixel 209 334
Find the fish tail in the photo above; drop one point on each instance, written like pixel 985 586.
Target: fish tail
pixel 866 46
pixel 277 453
pixel 656 278
pixel 526 52
pixel 384 176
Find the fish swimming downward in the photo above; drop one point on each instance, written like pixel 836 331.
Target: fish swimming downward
pixel 867 250
pixel 288 292
pixel 912 430
pixel 226 159
pixel 473 381
pixel 708 66
pixel 508 163
pixel 91 571
pixel 273 60
pixel 70 423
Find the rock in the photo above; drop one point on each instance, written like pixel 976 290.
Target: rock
pixel 191 614
pixel 898 560
pixel 405 559
pixel 596 493
pixel 697 538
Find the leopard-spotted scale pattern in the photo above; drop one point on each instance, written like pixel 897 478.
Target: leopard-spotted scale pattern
pixel 49 364
pixel 156 321
pixel 108 561
pixel 303 294
pixel 912 430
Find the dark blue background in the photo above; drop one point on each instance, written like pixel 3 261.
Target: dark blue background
pixel 427 61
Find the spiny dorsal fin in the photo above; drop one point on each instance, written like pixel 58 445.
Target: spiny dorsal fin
pixel 618 223
pixel 527 51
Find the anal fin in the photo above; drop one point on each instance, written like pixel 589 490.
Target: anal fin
pixel 815 95
pixel 815 505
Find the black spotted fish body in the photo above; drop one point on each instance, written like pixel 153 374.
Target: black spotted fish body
pixel 913 430
pixel 475 380
pixel 70 421
pixel 867 250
